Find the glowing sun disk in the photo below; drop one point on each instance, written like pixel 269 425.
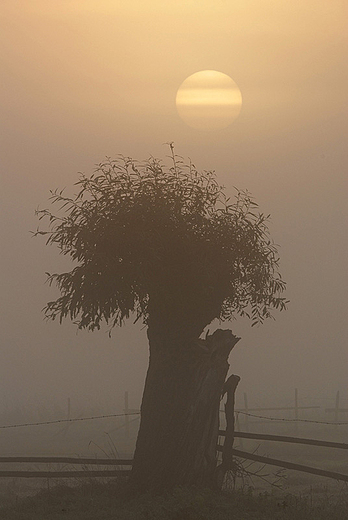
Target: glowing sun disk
pixel 208 100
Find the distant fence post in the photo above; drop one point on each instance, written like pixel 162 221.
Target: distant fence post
pixel 246 412
pixel 126 417
pixel 337 407
pixel 336 410
pixel 66 427
pixel 296 410
pixel 237 428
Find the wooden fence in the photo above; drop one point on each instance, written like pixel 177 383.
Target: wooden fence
pixel 87 473
pixel 76 461
pixel 286 464
pixel 229 434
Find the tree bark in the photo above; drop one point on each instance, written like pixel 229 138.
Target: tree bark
pixel 178 432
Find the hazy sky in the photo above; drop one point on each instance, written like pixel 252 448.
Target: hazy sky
pixel 85 79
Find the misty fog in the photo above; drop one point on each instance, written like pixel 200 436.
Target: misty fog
pixel 76 88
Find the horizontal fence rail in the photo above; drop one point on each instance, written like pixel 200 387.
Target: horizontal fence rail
pixel 69 460
pixel 86 473
pixel 284 438
pixel 66 474
pixel 276 408
pixel 289 465
pixel 122 467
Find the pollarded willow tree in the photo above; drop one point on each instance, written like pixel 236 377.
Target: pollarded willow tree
pixel 165 245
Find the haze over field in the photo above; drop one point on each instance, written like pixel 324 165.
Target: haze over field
pixel 86 79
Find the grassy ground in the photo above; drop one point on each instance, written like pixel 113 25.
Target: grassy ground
pixel 108 501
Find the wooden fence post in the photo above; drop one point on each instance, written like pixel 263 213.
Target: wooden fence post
pixel 336 410
pixel 67 425
pixel 337 407
pixel 296 410
pixel 229 388
pixel 126 417
pixel 237 428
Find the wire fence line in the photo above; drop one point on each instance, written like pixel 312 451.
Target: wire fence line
pixel 96 417
pixel 127 412
pixel 41 423
pixel 292 420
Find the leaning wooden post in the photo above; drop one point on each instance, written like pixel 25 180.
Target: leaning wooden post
pixel 229 388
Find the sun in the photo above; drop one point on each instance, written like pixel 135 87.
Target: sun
pixel 208 100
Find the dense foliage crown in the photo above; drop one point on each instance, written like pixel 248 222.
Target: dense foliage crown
pixel 149 239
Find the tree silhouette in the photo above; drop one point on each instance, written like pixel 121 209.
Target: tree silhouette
pixel 165 245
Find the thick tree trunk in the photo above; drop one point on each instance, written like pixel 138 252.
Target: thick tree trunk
pixel 178 433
